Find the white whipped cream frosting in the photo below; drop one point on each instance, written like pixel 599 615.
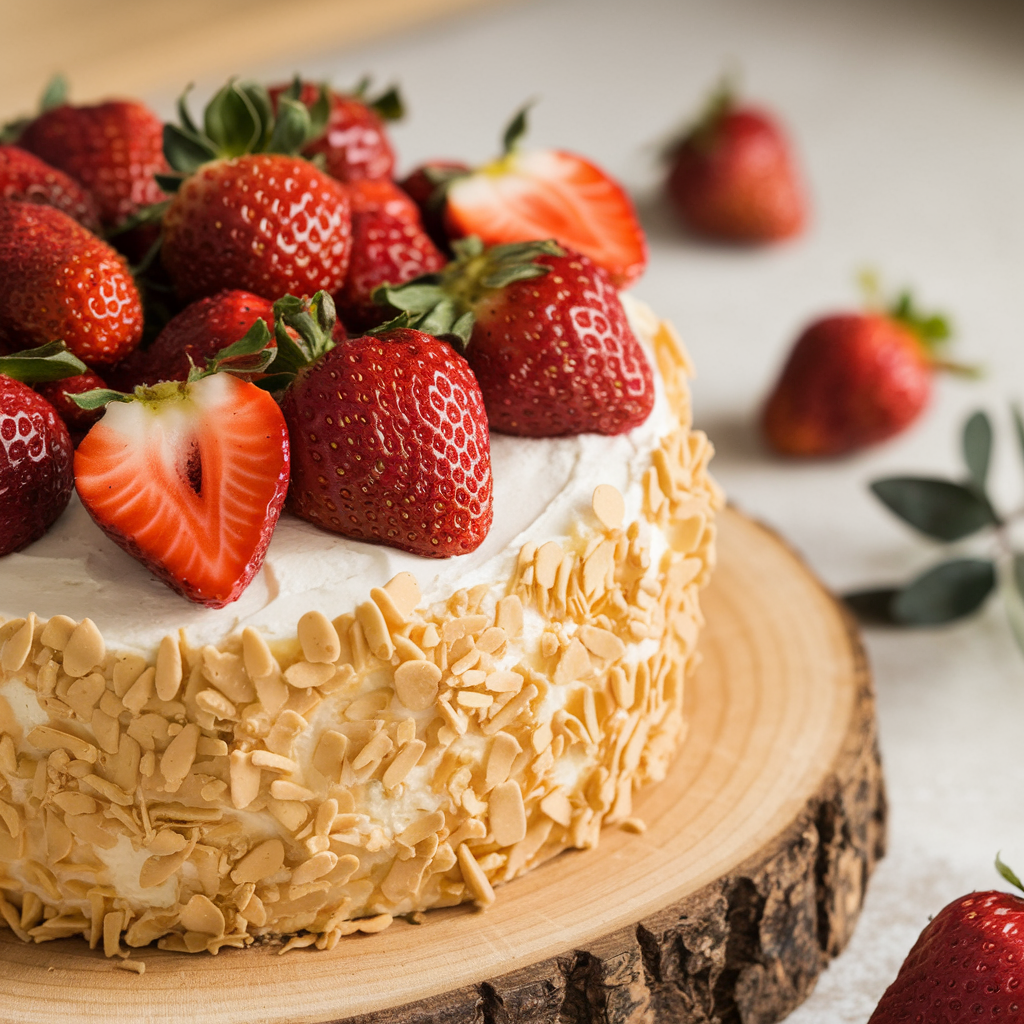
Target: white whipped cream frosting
pixel 542 488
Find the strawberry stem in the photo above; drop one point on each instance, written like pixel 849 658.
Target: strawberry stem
pixel 52 361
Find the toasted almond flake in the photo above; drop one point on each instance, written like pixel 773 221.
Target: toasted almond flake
pixel 548 644
pixel 406 649
pixel 473 677
pixel 329 756
pixel 416 684
pixel 8 755
pixel 11 817
pixel 474 877
pixel 315 867
pixel 282 789
pixel 504 750
pixel 430 637
pixel 635 825
pixel 74 803
pixel 403 763
pixel 375 629
pixel 215 703
pixel 377 747
pixel 260 862
pixel 609 507
pixel 200 914
pixel 165 842
pixel 275 762
pixel 112 925
pixel 541 738
pixel 404 590
pixel 472 699
pixel 454 719
pixel 549 557
pixel 318 638
pixel 139 693
pixel 304 675
pixel 503 681
pixel 393 615
pixel 466 662
pixel 227 673
pixel 256 655
pixel 519 704
pixel 574 664
pixel 16 647
pixel 179 756
pixel 133 966
pixel 168 668
pixel 373 925
pixel 466 625
pixel 244 779
pixel 293 814
pixel 507 814
pixel 107 731
pixel 557 807
pixel 601 642
pixel 424 826
pixel 491 640
pixel 108 790
pixel 84 650
pixel 46 738
pixel 57 632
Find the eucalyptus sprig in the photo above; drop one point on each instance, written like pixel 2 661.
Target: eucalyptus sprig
pixel 949 511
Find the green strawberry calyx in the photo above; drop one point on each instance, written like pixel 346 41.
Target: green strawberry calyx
pixel 304 331
pixel 1008 873
pixel 54 95
pixel 701 133
pixel 239 120
pixel 52 361
pixel 388 105
pixel 443 303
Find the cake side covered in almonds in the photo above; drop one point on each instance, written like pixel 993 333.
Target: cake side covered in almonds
pixel 408 753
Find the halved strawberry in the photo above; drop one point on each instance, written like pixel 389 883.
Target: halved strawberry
pixel 525 196
pixel 189 478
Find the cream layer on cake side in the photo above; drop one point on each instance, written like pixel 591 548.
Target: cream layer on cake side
pixel 283 769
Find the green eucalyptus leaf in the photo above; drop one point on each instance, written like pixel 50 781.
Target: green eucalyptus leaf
pixel 292 127
pixel 99 397
pixel 52 361
pixel 945 593
pixel 55 94
pixel 977 448
pixel 872 606
pixel 186 151
pixel 1008 873
pixel 938 508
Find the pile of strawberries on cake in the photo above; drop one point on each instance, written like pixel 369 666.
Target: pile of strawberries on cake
pixel 246 312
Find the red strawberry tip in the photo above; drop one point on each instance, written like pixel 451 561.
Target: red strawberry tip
pixel 52 361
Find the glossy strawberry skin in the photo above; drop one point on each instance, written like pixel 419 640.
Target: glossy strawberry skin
pixel 35 465
pixel 738 181
pixel 355 144
pixel 551 194
pixel 192 488
pixel 25 177
pixel 113 149
pixel 555 355
pixel 851 380
pixel 390 445
pixel 59 281
pixel 196 334
pixel 967 965
pixel 76 419
pixel 389 246
pixel 267 224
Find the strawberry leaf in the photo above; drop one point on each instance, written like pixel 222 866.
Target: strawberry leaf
pixel 233 122
pixel 388 105
pixel 949 591
pixel 516 130
pixel 933 329
pixel 937 508
pixel 249 354
pixel 55 94
pixel 977 448
pixel 874 606
pixel 185 151
pixel 1008 873
pixel 52 361
pixel 99 397
pixel 292 129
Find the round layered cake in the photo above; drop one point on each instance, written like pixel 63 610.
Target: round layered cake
pixel 365 733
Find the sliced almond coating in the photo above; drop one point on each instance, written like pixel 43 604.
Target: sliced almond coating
pixel 260 862
pixel 503 681
pixel 255 912
pixel 57 632
pixel 11 817
pixel 275 762
pixel 421 828
pixel 404 590
pixel 597 566
pixel 472 699
pixel 507 814
pixel 318 638
pixel 374 925
pixel 549 558
pixel 176 761
pixel 227 673
pixel 272 692
pixel 392 613
pixel 245 779
pixel 109 791
pixel 609 507
pixel 84 650
pixel 112 924
pixel 416 684
pixel 329 756
pixel 166 842
pixel 200 914
pixel 406 649
pixel 574 663
pixel 71 802
pixel 215 703
pixel 127 668
pixel 59 839
pixel 557 807
pixel 519 704
pixel 376 748
pixel 491 640
pixel 601 642
pixel 282 789
pixel 466 625
pixel 403 763
pixel 375 629
pixel 107 731
pixel 46 738
pixel 256 655
pixel 15 650
pixel 304 675
pixel 139 693
pixel 8 755
pixel 474 877
pixel 510 615
pixel 132 966
pixel 315 867
pixel 168 668
pixel 282 736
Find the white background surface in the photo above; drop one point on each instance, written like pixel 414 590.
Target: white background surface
pixel 909 118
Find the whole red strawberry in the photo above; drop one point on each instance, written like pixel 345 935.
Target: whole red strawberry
pixel 189 477
pixel 733 176
pixel 528 195
pixel 967 965
pixel 352 140
pixel 549 342
pixel 26 177
pixel 58 394
pixel 36 480
pixel 264 221
pixel 389 437
pixel 853 380
pixel 113 149
pixel 389 246
pixel 426 187
pixel 59 281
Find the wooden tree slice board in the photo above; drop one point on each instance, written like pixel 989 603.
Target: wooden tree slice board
pixel 748 879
